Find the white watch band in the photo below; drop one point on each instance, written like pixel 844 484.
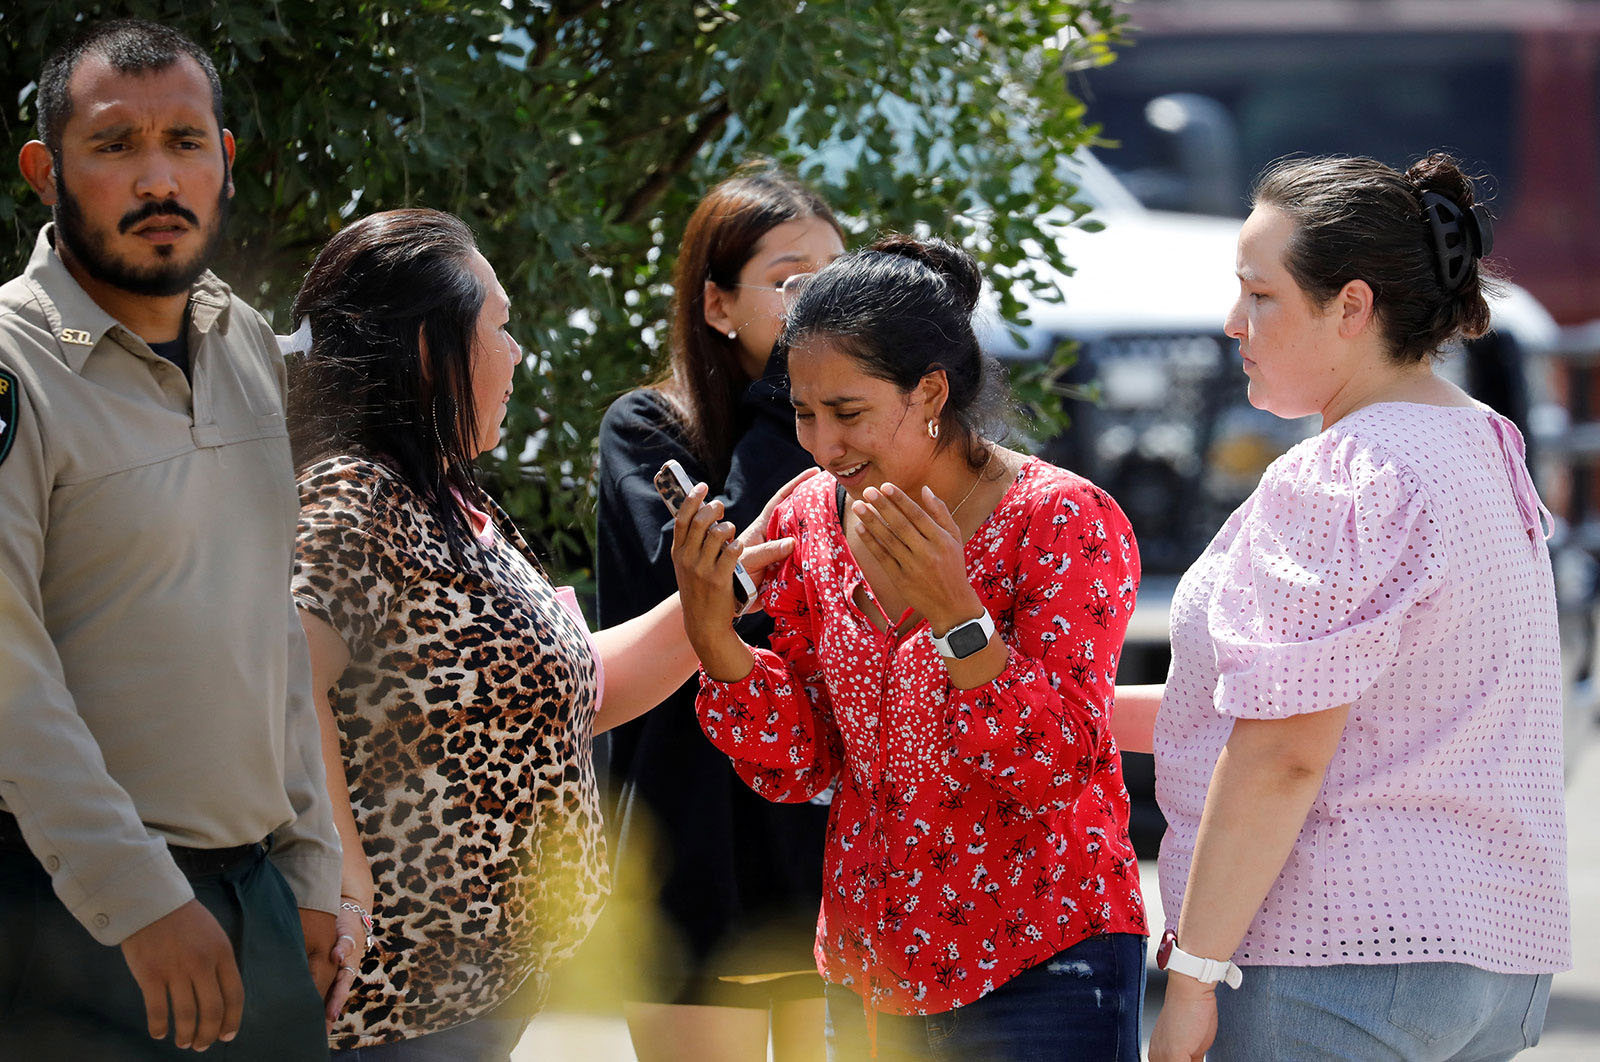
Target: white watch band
pixel 965 638
pixel 1206 971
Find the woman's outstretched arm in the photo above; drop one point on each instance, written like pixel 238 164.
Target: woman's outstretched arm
pixel 651 655
pixel 1133 720
pixel 648 657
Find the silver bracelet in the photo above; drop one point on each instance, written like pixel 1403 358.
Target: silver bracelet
pixel 361 912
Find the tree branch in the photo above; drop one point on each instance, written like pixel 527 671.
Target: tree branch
pixel 635 205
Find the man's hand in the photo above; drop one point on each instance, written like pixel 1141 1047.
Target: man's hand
pixel 185 955
pixel 320 929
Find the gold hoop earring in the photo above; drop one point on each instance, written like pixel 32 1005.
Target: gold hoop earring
pixel 933 428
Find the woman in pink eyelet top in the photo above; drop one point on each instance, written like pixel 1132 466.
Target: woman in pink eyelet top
pixel 1358 747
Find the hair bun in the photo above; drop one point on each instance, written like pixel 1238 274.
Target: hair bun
pixel 1461 230
pixel 957 267
pixel 1442 174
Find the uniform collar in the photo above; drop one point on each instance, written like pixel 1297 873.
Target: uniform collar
pixel 78 324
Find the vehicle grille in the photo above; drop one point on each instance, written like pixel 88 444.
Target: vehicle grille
pixel 1171 435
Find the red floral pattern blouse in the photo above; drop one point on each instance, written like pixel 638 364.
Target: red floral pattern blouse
pixel 974 833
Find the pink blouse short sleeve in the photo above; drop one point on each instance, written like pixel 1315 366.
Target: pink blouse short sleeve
pixel 1393 562
pixel 1307 609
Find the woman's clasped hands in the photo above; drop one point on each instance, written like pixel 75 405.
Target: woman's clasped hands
pixel 919 548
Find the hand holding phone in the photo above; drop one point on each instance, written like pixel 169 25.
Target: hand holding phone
pixel 674 485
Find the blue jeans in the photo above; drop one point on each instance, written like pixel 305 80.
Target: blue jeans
pixel 490 1038
pixel 1082 1003
pixel 1405 1012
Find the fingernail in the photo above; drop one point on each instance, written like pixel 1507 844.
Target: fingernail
pixel 227 1038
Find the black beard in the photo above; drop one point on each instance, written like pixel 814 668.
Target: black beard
pixel 89 249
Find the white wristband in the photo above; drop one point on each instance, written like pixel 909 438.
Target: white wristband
pixel 1207 971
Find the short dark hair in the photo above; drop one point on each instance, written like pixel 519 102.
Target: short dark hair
pixel 1358 219
pixel 704 378
pixel 131 46
pixel 902 308
pixel 375 290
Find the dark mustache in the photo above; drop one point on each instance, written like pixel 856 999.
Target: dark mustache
pixel 154 210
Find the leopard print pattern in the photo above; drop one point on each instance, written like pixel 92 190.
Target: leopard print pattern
pixel 466 723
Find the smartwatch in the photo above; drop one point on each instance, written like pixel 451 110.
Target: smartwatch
pixel 964 639
pixel 1207 971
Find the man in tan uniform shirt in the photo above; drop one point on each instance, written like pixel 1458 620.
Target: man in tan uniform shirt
pixel 156 732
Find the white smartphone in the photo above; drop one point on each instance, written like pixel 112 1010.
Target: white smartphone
pixel 674 485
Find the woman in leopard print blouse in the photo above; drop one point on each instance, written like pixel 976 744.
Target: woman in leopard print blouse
pixel 460 691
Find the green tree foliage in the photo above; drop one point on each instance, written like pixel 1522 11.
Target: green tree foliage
pixel 575 136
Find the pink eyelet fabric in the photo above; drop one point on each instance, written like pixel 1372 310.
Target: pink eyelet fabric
pixel 1396 563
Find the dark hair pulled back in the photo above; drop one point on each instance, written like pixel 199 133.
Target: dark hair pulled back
pixel 902 308
pixel 377 288
pixel 1358 219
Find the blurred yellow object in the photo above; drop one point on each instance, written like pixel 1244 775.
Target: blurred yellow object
pixel 757 979
pixel 1244 455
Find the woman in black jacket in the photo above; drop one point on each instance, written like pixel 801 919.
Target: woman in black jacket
pixel 734 880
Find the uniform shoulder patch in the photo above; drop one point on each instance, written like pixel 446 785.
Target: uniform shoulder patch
pixel 9 405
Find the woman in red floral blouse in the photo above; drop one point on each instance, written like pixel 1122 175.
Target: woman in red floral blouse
pixel 947 636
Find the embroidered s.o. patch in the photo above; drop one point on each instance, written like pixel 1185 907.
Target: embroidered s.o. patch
pixel 8 412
